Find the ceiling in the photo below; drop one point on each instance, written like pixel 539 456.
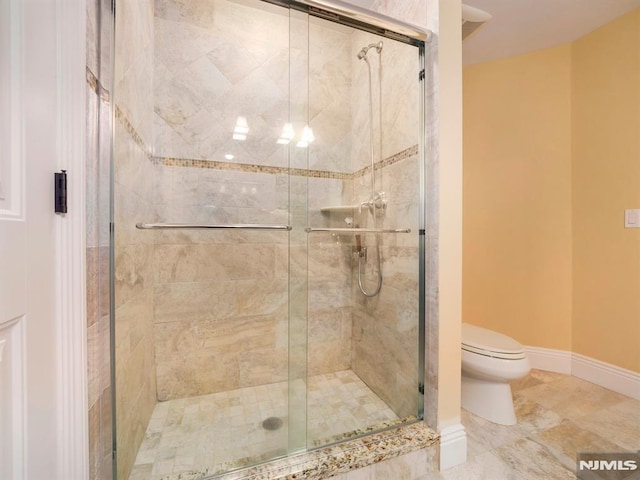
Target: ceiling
pixel 520 26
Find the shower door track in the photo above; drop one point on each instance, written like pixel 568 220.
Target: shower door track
pixel 352 15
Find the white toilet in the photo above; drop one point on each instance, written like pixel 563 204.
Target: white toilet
pixel 490 360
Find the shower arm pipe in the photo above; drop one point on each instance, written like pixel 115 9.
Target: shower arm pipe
pixel 372 181
pixel 358 230
pixel 379 20
pixel 192 226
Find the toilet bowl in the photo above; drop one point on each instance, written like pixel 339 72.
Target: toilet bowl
pixel 490 360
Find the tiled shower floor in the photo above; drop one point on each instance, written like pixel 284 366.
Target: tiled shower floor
pixel 224 430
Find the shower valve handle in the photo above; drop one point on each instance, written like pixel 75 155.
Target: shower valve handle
pixel 378 204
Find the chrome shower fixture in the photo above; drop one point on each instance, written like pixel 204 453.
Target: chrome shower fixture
pixel 377 205
pixel 363 53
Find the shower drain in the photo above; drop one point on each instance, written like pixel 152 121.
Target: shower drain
pixel 272 423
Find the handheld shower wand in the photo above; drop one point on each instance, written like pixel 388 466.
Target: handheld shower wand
pixel 376 200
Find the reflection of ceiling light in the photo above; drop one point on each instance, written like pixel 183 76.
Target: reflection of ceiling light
pixel 307 134
pixel 306 138
pixel 241 125
pixel 287 134
pixel 241 129
pixel 228 156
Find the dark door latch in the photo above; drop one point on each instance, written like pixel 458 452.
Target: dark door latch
pixel 60 191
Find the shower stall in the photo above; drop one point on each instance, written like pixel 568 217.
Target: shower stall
pixel 268 224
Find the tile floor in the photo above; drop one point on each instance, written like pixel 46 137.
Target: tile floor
pixel 224 430
pixel 558 415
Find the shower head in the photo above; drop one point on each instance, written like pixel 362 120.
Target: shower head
pixel 363 53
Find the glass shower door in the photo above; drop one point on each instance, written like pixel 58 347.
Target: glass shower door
pixel 205 287
pixel 364 198
pixel 267 177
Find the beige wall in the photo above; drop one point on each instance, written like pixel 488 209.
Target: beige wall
pixel 444 101
pixel 517 197
pixel 551 162
pixel 606 180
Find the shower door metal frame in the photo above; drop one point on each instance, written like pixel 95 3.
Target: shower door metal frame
pixel 360 19
pixel 369 21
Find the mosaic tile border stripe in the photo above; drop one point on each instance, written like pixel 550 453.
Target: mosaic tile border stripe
pixel 299 172
pixel 249 168
pixel 120 116
pixel 386 162
pixel 96 86
pixel 246 167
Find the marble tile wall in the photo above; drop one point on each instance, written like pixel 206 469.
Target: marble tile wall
pixel 134 197
pixel 221 297
pixel 432 209
pixel 395 99
pixel 207 284
pixel 330 89
pixel 338 114
pixel 208 74
pixel 134 270
pixel 217 61
pixel 414 12
pixel 385 327
pixel 133 65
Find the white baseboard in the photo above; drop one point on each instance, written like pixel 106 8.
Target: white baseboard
pixel 548 359
pixel 609 376
pixel 606 375
pixel 453 446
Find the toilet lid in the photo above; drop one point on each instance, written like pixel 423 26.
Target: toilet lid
pixel 488 342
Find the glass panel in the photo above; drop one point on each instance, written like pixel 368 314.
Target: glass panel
pixel 364 292
pixel 236 346
pixel 298 250
pixel 202 319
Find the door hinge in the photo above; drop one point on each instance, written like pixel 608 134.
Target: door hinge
pixel 60 191
pixel 421 75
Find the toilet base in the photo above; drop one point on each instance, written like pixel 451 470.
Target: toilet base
pixel 490 400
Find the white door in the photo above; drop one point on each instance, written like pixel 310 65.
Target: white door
pixel 12 255
pixel 32 426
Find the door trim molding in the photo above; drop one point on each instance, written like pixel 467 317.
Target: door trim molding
pixel 453 446
pixel 72 422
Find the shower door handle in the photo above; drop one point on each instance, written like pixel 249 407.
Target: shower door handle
pixel 358 230
pixel 195 226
